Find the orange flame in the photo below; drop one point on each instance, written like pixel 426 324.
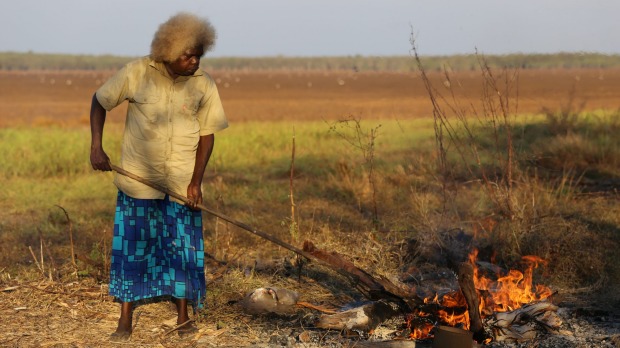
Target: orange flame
pixel 510 291
pixel 420 330
pixel 452 300
pixel 507 293
pixel 419 333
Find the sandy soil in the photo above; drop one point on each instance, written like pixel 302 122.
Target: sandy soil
pixel 64 97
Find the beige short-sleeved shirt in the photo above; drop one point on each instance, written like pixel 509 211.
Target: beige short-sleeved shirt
pixel 165 119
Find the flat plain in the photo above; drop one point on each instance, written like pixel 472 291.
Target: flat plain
pixel 63 97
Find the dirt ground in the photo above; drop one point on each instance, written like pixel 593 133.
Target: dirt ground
pixel 42 313
pixel 40 98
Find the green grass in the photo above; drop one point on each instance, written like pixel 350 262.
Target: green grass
pixel 248 179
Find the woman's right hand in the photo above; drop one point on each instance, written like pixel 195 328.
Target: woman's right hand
pixel 99 159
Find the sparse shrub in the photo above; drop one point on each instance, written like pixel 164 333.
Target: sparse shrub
pixel 566 120
pixel 351 131
pixel 526 178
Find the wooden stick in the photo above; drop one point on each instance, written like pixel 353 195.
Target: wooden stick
pixel 291 178
pixel 213 212
pixel 315 307
pixel 231 220
pixel 367 284
pixel 35 258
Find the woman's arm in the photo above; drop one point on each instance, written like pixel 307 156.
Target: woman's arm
pixel 98 158
pixel 203 153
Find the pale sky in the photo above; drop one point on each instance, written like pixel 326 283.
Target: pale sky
pixel 318 27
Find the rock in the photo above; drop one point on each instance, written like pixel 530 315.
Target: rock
pixel 270 300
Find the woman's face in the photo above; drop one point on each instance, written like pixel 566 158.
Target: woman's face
pixel 187 63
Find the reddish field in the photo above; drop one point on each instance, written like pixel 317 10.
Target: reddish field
pixel 39 98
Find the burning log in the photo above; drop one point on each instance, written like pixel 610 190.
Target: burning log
pixel 524 323
pixel 466 282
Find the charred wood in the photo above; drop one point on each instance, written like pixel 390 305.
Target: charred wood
pixel 466 282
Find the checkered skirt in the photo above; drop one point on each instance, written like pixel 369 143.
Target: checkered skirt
pixel 157 250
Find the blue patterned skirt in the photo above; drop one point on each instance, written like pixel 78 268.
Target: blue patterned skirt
pixel 157 250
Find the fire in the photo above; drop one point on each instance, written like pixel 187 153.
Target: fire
pixel 422 331
pixel 509 292
pixel 453 318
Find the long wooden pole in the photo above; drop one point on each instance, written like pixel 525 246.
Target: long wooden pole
pixel 364 288
pixel 213 212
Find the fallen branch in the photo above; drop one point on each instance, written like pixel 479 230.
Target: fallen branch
pixel 371 287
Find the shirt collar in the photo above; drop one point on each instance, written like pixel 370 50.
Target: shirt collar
pixel 159 66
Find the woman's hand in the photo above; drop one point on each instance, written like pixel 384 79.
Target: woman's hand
pixel 194 195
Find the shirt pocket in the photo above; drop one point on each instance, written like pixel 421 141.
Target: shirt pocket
pixel 148 105
pixel 191 104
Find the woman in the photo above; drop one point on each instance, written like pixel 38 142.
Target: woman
pixel 174 110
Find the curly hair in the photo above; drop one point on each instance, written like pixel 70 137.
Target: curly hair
pixel 180 33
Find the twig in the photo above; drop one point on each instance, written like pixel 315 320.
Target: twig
pixel 53 267
pixel 59 292
pixel 176 328
pixel 35 259
pixel 70 236
pixel 41 251
pixel 294 228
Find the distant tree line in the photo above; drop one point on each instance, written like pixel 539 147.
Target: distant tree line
pixel 43 61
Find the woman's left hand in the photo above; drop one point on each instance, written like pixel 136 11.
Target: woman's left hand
pixel 194 196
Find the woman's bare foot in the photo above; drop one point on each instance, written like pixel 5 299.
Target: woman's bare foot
pixel 124 328
pixel 188 328
pixel 118 336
